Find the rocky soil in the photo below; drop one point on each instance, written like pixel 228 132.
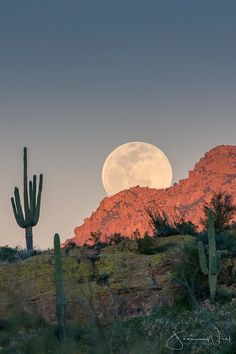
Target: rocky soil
pixel 115 281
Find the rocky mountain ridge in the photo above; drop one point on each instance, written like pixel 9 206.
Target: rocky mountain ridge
pixel 125 211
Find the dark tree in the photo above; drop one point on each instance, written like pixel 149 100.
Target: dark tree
pixel 170 225
pixel 161 223
pixel 223 210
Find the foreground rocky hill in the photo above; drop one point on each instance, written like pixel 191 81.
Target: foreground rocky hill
pixel 118 299
pixel 113 281
pixel 125 211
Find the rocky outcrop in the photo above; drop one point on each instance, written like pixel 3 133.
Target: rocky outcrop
pixel 125 211
pixel 104 284
pixel 101 285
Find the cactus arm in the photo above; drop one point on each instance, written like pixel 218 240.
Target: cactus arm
pixel 37 207
pixel 60 299
pixel 19 222
pixel 19 212
pixel 30 192
pixel 25 182
pixel 34 193
pixel 32 198
pixel 31 215
pixel 14 207
pixel 202 258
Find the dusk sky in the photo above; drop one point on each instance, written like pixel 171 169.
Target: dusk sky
pixel 79 78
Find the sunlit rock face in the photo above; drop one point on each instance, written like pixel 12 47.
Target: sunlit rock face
pixel 125 211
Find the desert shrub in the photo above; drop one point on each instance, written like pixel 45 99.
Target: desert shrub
pixel 4 324
pixel 27 321
pixel 186 228
pixel 188 274
pixel 223 209
pixel 135 235
pixel 149 334
pixel 24 333
pixel 17 327
pixel 146 245
pixel 223 295
pixel 232 227
pixel 143 334
pixel 23 253
pixel 161 224
pixel 71 245
pixel 115 239
pixel 8 254
pixel 96 239
pixel 221 239
pixel 230 244
pixel 166 247
pixel 102 278
pixel 165 225
pixel 224 241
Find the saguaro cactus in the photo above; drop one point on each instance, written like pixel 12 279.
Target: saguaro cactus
pixel 32 202
pixel 214 257
pixel 60 297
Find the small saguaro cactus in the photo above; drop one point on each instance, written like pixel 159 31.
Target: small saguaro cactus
pixel 32 202
pixel 214 257
pixel 60 297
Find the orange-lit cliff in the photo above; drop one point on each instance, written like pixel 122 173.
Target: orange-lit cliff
pixel 125 212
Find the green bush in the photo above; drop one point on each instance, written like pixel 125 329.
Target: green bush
pixel 224 241
pixel 161 224
pixel 146 245
pixel 188 275
pixel 166 247
pixel 9 254
pixel 164 225
pixel 96 239
pixel 115 239
pixel 28 334
pixel 186 228
pixel 223 209
pixel 102 278
pixel 223 295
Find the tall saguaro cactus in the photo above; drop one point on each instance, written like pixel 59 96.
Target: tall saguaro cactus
pixel 32 202
pixel 60 297
pixel 214 257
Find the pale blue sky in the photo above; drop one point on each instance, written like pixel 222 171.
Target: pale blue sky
pixel 79 78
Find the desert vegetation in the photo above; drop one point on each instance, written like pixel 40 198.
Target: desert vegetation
pixel 169 225
pixel 223 210
pixel 91 306
pixel 32 201
pixel 122 295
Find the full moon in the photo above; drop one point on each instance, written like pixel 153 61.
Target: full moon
pixel 136 163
